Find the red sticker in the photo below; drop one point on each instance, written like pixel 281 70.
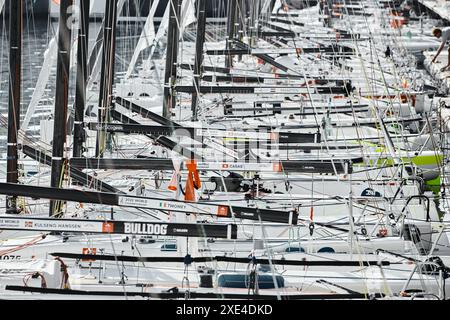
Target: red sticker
pixel 222 211
pixel 108 227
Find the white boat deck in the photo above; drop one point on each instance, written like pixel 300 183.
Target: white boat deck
pixel 440 7
pixel 435 68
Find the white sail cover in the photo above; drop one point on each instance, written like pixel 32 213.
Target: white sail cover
pixel 147 37
pixel 50 56
pixel 278 5
pixel 188 17
pixel 187 14
pixel 161 32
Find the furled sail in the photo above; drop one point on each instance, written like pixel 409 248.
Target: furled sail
pixel 146 39
pixel 278 5
pixel 187 14
pixel 188 17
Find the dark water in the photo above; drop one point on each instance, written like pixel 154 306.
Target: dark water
pixel 36 37
pixel 35 42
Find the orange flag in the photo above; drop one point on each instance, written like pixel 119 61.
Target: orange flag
pixel 193 180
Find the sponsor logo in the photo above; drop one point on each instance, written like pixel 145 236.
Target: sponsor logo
pixel 202 165
pixel 277 167
pixel 114 127
pixel 108 127
pixel 58 225
pixel 222 211
pixel 89 251
pixel 247 214
pixel 369 192
pixel 232 166
pixel 133 201
pixel 172 205
pixel 177 230
pixel 8 221
pixel 145 228
pixel 28 224
pixel 107 227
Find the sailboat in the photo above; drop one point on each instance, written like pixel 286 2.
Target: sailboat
pixel 280 153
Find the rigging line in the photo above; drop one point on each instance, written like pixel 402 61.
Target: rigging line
pixel 382 73
pixel 117 265
pixel 270 257
pixel 180 33
pixel 283 171
pixel 398 43
pixel 315 114
pixel 435 146
pixel 365 73
pixel 221 174
pixel 215 157
pixel 358 247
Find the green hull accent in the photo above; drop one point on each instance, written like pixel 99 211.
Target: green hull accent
pixel 434 182
pixel 425 162
pixel 433 159
pixel 417 160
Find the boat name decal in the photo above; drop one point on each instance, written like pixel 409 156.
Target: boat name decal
pixel 145 228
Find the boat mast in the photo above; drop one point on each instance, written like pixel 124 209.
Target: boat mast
pixel 61 101
pixel 82 74
pixel 231 30
pixel 171 58
pixel 96 50
pixel 15 69
pixel 107 73
pixel 201 21
pixel 255 10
